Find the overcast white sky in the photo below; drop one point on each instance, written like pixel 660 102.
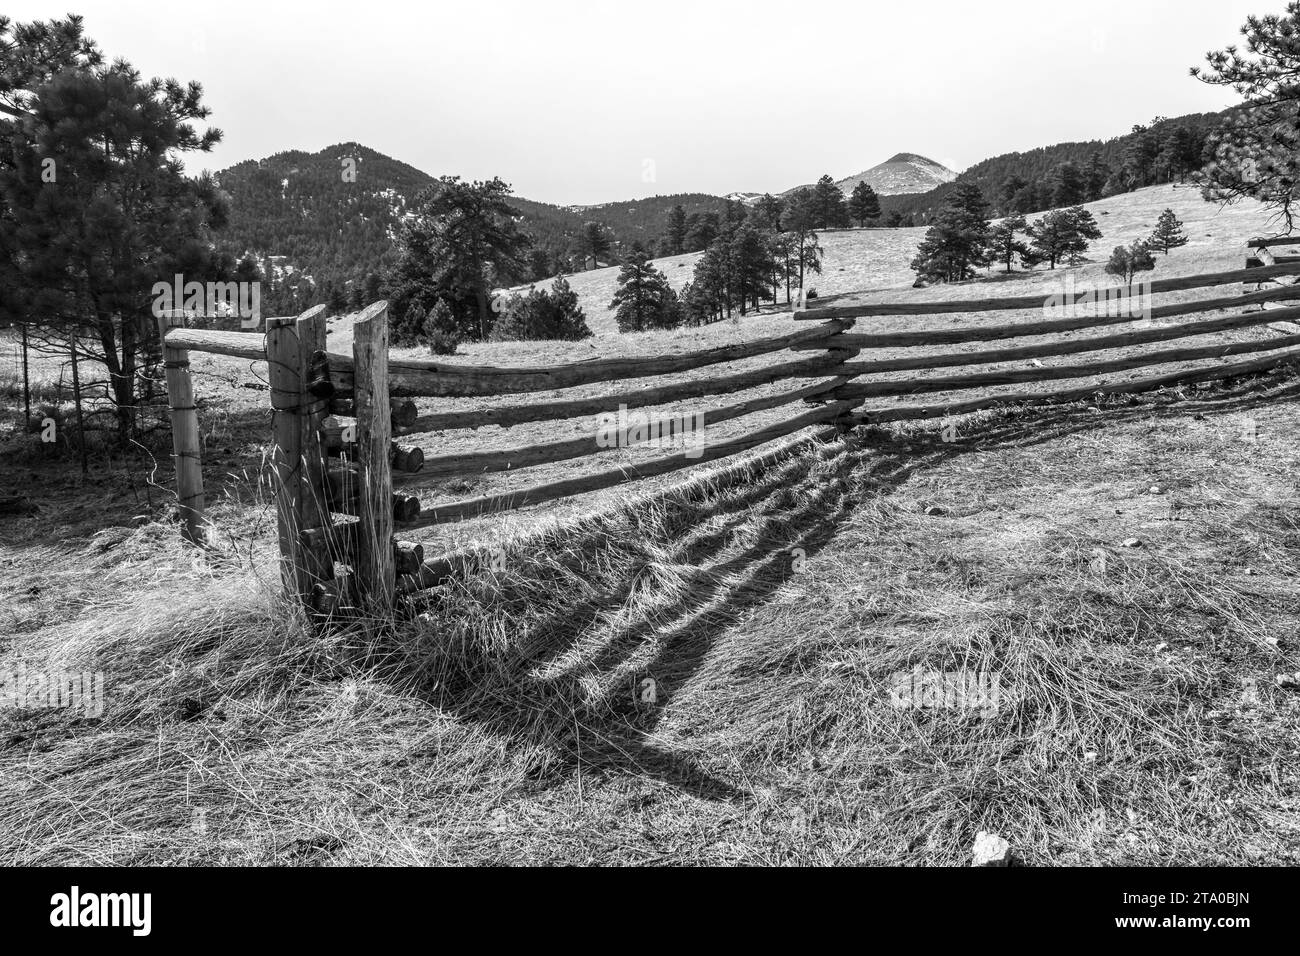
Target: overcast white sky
pixel 569 99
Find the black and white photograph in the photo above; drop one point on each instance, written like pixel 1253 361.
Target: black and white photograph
pixel 714 434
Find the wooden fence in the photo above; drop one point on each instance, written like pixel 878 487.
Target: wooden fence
pixel 344 485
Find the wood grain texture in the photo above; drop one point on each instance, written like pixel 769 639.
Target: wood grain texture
pixel 282 358
pixel 375 567
pixel 186 448
pixel 245 345
pixel 317 564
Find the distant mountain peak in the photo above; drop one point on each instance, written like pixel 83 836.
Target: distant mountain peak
pixel 901 173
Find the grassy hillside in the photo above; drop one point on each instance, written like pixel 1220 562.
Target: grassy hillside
pixel 1126 567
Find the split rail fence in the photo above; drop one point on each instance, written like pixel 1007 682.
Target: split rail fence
pixel 346 486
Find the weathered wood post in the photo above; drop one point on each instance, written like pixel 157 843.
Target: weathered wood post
pixel 184 415
pixel 298 456
pixel 285 376
pixel 376 568
pixel 316 560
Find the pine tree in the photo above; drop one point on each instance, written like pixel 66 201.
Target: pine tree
pixel 753 265
pixel 1069 187
pixel 1004 246
pixel 1063 234
pixel 594 243
pixel 829 209
pixel 957 241
pixel 864 205
pixel 734 212
pixel 644 300
pixel 801 218
pixel 701 230
pixel 1095 175
pixel 79 255
pixel 675 236
pixel 1126 262
pixel 768 211
pixel 462 237
pixel 542 314
pixel 1168 233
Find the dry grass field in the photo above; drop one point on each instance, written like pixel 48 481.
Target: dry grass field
pixel 1127 567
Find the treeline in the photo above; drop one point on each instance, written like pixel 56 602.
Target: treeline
pixel 319 226
pixel 822 206
pixel 751 255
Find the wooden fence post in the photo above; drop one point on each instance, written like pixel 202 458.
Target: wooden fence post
pixel 316 561
pixel 185 430
pixel 376 568
pixel 285 375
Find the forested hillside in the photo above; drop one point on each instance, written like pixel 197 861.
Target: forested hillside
pixel 642 220
pixel 1165 150
pixel 317 224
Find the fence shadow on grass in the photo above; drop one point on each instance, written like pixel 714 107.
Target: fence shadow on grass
pixel 733 552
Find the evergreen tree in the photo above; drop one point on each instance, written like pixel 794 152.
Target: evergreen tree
pixel 1063 234
pixel 675 237
pixel 829 209
pixel 1140 156
pixel 768 211
pixel 1095 175
pixel 594 243
pixel 80 254
pixel 958 240
pixel 753 266
pixel 864 205
pixel 702 229
pixel 1010 194
pixel 1126 262
pixel 1069 187
pixel 553 315
pixel 540 265
pixel 1004 245
pixel 462 237
pixel 437 329
pixel 1168 233
pixel 734 212
pixel 1257 155
pixel 802 214
pixel 644 300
